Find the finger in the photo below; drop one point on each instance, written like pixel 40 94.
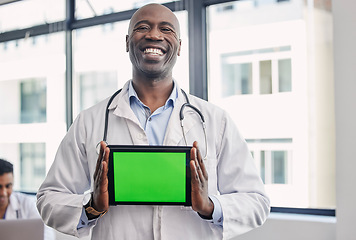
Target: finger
pixel 100 157
pixel 104 172
pixel 200 161
pixel 194 174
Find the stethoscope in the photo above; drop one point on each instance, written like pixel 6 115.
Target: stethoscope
pixel 181 117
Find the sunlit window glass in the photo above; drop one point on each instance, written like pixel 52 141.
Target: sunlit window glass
pixel 91 87
pixel 33 100
pixel 32 103
pixel 265 77
pixel 285 75
pixel 269 68
pixel 236 77
pixel 32 165
pixel 24 14
pixel 86 9
pixel 279 167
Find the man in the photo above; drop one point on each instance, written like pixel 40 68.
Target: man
pixel 14 205
pixel 228 196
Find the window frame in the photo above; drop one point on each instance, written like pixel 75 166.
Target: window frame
pixel 197 54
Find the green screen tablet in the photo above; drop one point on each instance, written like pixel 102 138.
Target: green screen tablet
pixel 153 175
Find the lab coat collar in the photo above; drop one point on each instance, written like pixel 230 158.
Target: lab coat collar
pixel 12 208
pixel 174 135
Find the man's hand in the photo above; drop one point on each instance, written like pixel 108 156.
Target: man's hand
pixel 201 203
pixel 101 194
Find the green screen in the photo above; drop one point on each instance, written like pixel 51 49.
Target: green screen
pixel 149 176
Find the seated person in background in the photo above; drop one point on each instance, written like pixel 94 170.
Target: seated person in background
pixel 14 205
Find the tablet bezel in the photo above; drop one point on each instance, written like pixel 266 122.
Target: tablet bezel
pixel 135 148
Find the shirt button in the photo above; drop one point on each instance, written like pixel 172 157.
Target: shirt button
pixel 149 119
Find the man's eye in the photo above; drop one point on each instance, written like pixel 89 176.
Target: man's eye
pixel 166 30
pixel 141 28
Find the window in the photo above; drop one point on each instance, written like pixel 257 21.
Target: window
pixel 32 166
pixel 33 101
pixel 95 87
pixel 258 71
pixel 34 12
pixel 267 61
pixel 268 69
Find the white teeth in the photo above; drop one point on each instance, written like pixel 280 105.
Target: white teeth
pixel 154 51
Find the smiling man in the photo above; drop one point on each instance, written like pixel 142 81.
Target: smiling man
pixel 227 194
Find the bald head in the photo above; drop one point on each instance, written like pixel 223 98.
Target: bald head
pixel 157 11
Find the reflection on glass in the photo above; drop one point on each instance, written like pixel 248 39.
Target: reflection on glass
pixel 285 75
pixel 33 100
pixel 23 14
pixel 266 77
pixel 32 165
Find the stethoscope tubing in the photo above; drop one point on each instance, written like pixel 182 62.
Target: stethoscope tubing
pixel 181 116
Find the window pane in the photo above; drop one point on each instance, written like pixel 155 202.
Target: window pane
pixel 265 77
pixel 32 165
pixel 237 78
pixel 86 9
pixel 33 101
pixel 95 86
pixel 279 167
pixel 24 14
pixel 285 75
pixel 290 92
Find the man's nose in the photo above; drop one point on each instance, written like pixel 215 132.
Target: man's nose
pixel 3 191
pixel 154 34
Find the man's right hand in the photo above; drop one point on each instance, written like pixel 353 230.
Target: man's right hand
pixel 100 201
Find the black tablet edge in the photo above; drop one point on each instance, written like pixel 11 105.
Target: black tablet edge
pixel 112 201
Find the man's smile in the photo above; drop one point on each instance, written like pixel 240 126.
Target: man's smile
pixel 153 51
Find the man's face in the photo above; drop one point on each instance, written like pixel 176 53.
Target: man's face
pixel 6 183
pixel 153 42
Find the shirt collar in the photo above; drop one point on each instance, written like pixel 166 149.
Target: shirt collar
pixel 170 101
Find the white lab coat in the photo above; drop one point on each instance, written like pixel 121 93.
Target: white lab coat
pixel 21 206
pixel 233 178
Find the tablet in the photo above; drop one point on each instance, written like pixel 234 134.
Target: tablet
pixel 149 175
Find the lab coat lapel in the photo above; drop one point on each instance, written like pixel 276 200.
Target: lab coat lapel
pixel 121 106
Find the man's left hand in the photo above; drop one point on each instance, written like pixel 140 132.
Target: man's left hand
pixel 201 202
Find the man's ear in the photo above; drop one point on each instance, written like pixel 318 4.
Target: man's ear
pixel 127 43
pixel 180 44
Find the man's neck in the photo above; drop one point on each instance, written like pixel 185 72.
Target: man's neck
pixel 153 92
